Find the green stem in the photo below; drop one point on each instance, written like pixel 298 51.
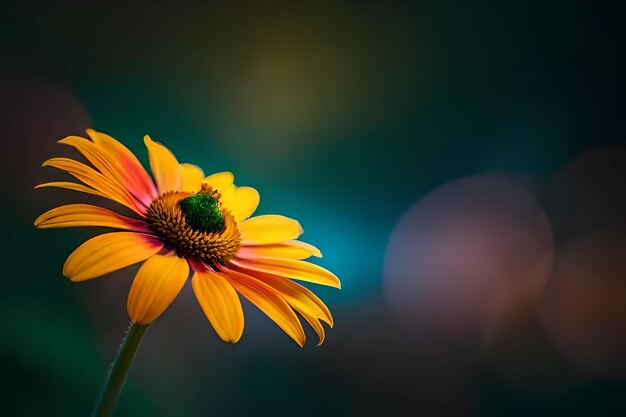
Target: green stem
pixel 119 369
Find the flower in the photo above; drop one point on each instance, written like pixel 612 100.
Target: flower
pixel 187 223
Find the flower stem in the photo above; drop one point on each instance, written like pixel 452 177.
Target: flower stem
pixel 119 369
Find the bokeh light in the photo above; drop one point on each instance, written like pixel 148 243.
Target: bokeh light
pixel 585 307
pixel 467 255
pixel 35 109
pixel 588 193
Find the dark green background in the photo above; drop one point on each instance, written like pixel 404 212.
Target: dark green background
pixel 342 115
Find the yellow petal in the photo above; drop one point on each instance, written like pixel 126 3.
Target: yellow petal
pixel 165 168
pixel 316 325
pixel 109 252
pixel 300 299
pixel 220 181
pixel 96 180
pixel 192 177
pixel 241 202
pixel 77 215
pixel 97 157
pixel 72 186
pixel 289 268
pixel 156 285
pixel 269 228
pixel 110 167
pixel 132 170
pixel 291 249
pixel 269 302
pixel 298 296
pixel 220 304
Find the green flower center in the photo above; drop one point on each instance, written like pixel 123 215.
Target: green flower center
pixel 202 212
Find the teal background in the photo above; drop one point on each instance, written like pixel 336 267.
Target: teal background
pixel 342 115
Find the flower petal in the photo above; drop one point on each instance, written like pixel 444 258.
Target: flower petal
pixel 165 168
pixel 77 215
pixel 291 249
pixel 269 302
pixel 108 166
pixel 156 285
pixel 220 304
pixel 300 299
pixel 298 296
pixel 220 181
pixel 316 325
pixel 241 202
pixel 289 268
pixel 269 228
pixel 109 252
pixel 96 180
pixel 136 177
pixel 192 177
pixel 72 186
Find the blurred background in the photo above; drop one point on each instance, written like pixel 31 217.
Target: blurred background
pixel 462 167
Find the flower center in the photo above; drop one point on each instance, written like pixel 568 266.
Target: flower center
pixel 202 211
pixel 195 226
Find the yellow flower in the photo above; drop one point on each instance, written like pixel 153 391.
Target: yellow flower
pixel 187 223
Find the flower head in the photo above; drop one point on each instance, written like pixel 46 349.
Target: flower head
pixel 187 223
